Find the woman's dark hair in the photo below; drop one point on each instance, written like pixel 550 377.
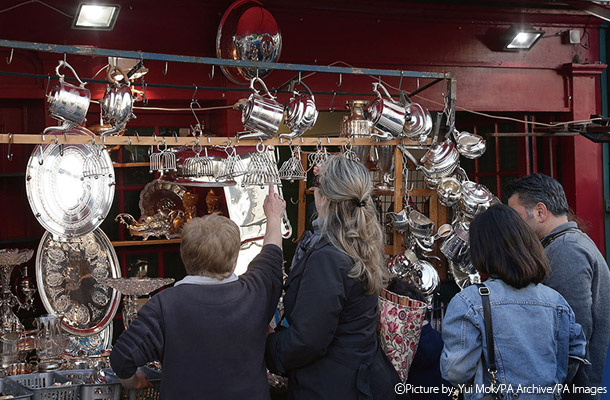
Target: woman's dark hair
pixel 504 246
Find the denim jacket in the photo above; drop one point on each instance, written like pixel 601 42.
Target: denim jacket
pixel 534 333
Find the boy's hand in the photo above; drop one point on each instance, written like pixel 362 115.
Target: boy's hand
pixel 274 206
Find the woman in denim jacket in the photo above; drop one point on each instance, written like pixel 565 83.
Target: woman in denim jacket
pixel 533 326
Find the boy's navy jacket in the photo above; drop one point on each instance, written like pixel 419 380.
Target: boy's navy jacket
pixel 210 339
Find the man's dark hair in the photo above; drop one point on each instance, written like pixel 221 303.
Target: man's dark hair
pixel 502 245
pixel 540 188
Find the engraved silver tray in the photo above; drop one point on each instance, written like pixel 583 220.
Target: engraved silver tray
pixel 65 202
pixel 67 275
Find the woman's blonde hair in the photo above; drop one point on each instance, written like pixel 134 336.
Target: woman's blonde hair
pixel 210 246
pixel 350 220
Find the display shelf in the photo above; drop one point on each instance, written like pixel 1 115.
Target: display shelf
pixel 131 164
pixel 36 138
pixel 124 243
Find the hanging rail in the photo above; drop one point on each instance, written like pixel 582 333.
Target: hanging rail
pixel 59 138
pixel 94 51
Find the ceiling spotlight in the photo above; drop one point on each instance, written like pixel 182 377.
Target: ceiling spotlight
pixel 521 37
pixel 96 16
pixel 133 67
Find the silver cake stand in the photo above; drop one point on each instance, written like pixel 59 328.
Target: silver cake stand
pixel 133 288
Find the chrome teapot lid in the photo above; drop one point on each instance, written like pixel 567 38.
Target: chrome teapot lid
pixel 476 193
pixel 438 153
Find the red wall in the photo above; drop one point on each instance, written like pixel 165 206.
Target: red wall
pixel 386 34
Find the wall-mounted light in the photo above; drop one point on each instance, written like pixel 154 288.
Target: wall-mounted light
pixel 96 16
pixel 133 67
pixel 521 37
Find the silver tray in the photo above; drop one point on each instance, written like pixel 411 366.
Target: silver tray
pixel 66 203
pixel 67 276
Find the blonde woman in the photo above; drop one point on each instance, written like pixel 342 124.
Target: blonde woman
pixel 330 350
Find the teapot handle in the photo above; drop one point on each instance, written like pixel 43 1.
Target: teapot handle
pixel 257 79
pixel 112 80
pixel 299 82
pixel 376 85
pixel 63 63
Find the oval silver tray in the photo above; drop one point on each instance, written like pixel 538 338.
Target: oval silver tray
pixel 66 203
pixel 67 275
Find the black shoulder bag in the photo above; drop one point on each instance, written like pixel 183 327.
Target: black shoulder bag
pixel 489 335
pixel 491 351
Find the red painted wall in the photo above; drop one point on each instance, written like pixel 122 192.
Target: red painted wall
pixel 387 34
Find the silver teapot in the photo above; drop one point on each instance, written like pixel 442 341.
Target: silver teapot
pixel 469 145
pixel 117 104
pixel 475 198
pixel 301 112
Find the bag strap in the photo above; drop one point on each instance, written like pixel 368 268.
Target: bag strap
pixel 489 333
pixel 548 239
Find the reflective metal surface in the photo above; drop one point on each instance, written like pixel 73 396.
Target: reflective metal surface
pixel 261 115
pixel 117 104
pixel 68 274
pixel 90 345
pixel 63 200
pixel 301 112
pixel 245 206
pixel 386 115
pixel 66 102
pixel 247 31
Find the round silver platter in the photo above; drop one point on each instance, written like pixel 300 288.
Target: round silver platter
pixel 66 202
pixel 67 275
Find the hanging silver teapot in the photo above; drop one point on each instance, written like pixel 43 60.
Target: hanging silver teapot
pixel 301 112
pixel 475 198
pixel 117 104
pixel 469 145
pixel 66 102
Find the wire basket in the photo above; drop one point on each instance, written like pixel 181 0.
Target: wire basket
pixel 41 385
pixel 90 390
pixel 10 388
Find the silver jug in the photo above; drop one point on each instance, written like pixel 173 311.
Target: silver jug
pixel 66 102
pixel 386 115
pixel 261 115
pixel 456 247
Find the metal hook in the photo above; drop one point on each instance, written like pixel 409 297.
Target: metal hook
pixel 211 76
pixel 9 155
pixel 176 136
pixel 165 70
pixel 144 98
pixel 300 81
pixel 340 80
pixel 293 202
pixel 332 101
pixel 400 82
pixel 129 140
pixel 65 55
pixel 9 60
pixel 138 136
pixel 41 154
pixel 42 136
pixel 194 94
